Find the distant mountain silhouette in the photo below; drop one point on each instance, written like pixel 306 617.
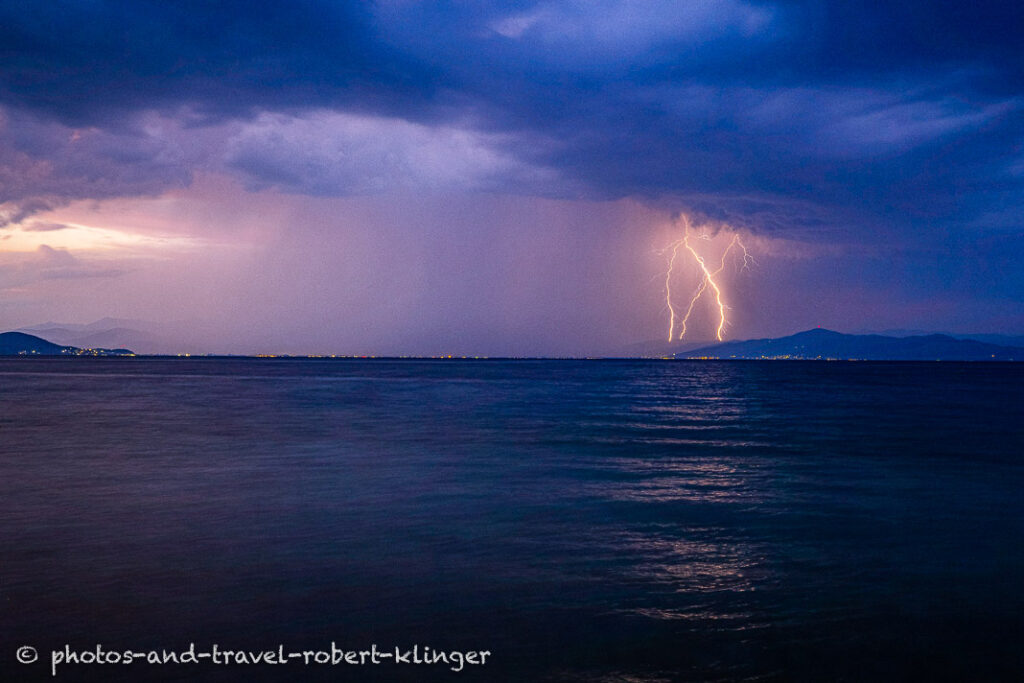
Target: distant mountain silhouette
pixel 100 325
pixel 21 344
pixel 112 333
pixel 117 337
pixel 826 344
pixel 655 348
pixel 990 338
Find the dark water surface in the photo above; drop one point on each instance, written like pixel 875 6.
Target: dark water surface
pixel 581 520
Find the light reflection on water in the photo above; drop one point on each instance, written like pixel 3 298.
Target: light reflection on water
pixel 588 520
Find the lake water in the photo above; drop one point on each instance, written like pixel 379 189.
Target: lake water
pixel 580 520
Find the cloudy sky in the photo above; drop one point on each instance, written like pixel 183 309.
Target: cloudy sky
pixel 503 178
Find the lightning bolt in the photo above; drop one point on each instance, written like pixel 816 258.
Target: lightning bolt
pixel 707 280
pixel 693 300
pixel 668 288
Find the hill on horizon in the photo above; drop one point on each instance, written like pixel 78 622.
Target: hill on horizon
pixel 23 344
pixel 826 344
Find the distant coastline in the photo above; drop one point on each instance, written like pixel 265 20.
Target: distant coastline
pixel 822 344
pixel 23 344
pixel 811 345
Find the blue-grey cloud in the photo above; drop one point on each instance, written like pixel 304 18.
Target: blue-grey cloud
pixel 44 164
pixel 838 114
pixel 325 153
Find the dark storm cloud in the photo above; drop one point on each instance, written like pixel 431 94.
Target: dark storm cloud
pixel 903 111
pixel 861 38
pixel 44 164
pixel 330 154
pixel 14 212
pixel 84 62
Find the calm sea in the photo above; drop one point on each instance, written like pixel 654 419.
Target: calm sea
pixel 580 520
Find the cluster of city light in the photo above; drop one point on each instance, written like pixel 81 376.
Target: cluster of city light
pixel 709 279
